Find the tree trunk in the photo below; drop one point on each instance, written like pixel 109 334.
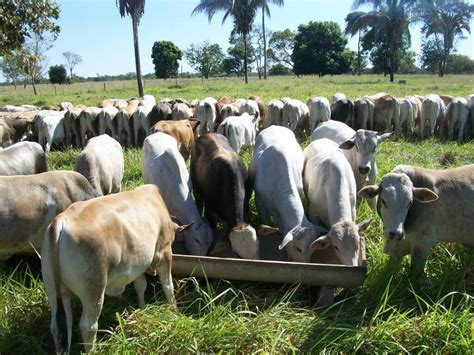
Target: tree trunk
pixel 70 71
pixel 392 66
pixel 264 46
pixel 245 58
pixel 359 64
pixel 34 86
pixel 137 56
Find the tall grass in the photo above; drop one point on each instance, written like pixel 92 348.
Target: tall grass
pixel 393 312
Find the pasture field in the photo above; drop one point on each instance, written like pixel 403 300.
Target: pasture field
pixel 393 312
pixel 275 87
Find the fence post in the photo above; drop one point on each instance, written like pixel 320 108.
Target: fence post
pixel 55 90
pixel 105 89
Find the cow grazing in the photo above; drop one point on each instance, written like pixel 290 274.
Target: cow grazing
pixel 455 122
pixel 50 127
pixel 274 113
pixel 184 132
pixel 29 204
pixel 319 111
pixel 101 163
pixel 386 112
pixel 359 148
pixel 261 106
pixel 24 158
pixel 433 110
pixel 363 113
pixel 404 123
pixel 181 111
pixel 228 110
pixel 421 207
pixel 89 124
pixel 250 107
pixel 330 187
pixel 125 123
pixel 148 100
pixel 221 102
pixel 160 112
pixel 416 103
pixel 206 114
pixel 163 166
pixel 275 173
pixel 71 124
pixel 107 122
pixel 240 130
pixel 295 114
pixel 338 96
pixel 141 123
pixel 98 247
pixel 16 127
pixel 470 106
pixel 342 110
pixel 219 180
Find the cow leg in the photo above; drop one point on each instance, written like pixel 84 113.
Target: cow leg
pixel 419 254
pixel 89 323
pixel 140 287
pixel 262 211
pixel 164 272
pixel 211 217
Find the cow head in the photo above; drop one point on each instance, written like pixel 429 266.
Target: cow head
pixel 396 195
pixel 344 237
pixel 365 144
pixel 244 242
pixel 298 242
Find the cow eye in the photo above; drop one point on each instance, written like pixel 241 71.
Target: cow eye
pixel 384 203
pixel 375 148
pixel 336 248
pixel 299 250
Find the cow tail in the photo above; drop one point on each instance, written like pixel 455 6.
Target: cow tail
pixel 55 230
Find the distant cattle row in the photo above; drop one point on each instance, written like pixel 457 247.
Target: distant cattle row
pixel 130 121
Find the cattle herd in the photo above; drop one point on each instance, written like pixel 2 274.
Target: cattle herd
pixel 94 239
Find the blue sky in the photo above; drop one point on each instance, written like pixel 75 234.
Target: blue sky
pixel 95 30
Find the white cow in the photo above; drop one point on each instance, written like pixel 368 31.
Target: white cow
pixel 206 113
pixel 102 164
pixel 240 130
pixel 330 187
pixel 404 123
pixel 30 202
pixel 359 148
pixel 107 122
pixel 89 123
pixel 338 96
pixel 141 122
pixel 163 165
pixel 294 114
pixel 432 113
pixel 50 127
pixel 276 176
pixel 250 107
pixel 98 247
pixel 148 100
pixel 416 103
pixel 421 207
pixel 319 111
pixel 23 158
pixel 228 110
pixel 364 113
pixel 181 111
pixel 470 105
pixel 274 114
pixel 456 121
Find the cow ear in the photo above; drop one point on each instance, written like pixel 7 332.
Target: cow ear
pixel 349 144
pixel 383 137
pixel 176 220
pixel 321 243
pixel 182 228
pixel 423 195
pixel 288 238
pixel 369 191
pixel 362 226
pixel 266 230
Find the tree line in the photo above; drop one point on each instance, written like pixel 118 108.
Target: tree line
pixel 319 48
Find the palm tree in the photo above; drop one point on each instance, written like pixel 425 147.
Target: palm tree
pixel 242 11
pixel 135 9
pixel 389 19
pixel 266 11
pixel 448 18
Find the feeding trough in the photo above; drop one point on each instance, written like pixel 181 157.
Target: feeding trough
pixel 274 267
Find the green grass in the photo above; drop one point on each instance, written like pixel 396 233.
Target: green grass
pixel 393 312
pixel 301 88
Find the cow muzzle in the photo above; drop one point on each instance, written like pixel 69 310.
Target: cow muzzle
pixel 396 235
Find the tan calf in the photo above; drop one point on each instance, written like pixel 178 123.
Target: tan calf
pixel 184 131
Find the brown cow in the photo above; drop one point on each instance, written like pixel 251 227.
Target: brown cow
pixel 72 126
pixel 184 131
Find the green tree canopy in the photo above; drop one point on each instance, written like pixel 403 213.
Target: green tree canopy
pixel 320 49
pixel 460 64
pixel 279 69
pixel 281 46
pixel 431 55
pixel 22 19
pixel 57 74
pixel 165 55
pixel 206 58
